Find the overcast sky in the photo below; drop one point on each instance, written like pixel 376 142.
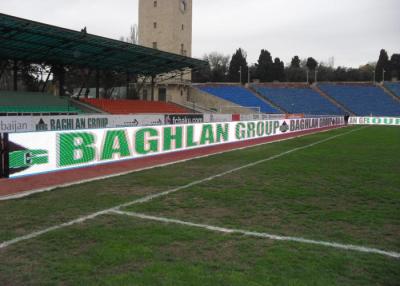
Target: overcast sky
pixel 351 31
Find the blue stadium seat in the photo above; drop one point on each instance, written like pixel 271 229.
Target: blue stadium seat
pixel 299 100
pixel 240 96
pixel 394 87
pixel 362 99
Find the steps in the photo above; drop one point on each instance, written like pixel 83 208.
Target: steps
pixel 273 104
pixel 389 92
pixel 325 95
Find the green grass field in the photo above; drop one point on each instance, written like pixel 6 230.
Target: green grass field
pixel 344 190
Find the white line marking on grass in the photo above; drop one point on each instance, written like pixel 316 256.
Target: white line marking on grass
pixel 52 188
pixel 261 234
pixel 165 193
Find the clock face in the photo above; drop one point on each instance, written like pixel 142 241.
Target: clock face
pixel 183 5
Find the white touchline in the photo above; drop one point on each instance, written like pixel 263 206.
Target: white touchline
pixel 51 188
pixel 165 193
pixel 262 234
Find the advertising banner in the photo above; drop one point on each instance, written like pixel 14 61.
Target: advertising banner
pixel 183 118
pixel 14 124
pixel 390 121
pixel 217 117
pixel 40 152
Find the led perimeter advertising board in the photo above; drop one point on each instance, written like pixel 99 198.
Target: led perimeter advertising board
pixel 40 152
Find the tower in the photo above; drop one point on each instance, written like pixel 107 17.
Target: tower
pixel 166 25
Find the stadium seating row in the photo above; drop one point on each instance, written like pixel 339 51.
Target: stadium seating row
pixel 35 102
pixel 363 100
pixel 393 87
pixel 134 106
pixel 298 100
pixel 240 96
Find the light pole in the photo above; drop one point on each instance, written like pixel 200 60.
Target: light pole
pixel 383 75
pixel 240 74
pixel 248 76
pixel 307 76
pixel 374 76
pixel 315 76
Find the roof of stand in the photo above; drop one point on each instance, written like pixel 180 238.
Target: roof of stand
pixel 34 42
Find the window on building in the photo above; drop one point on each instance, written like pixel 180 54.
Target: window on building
pixel 154 45
pixel 183 5
pixel 155 4
pixel 155 25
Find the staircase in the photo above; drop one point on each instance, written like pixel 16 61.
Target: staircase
pixel 388 91
pixel 273 104
pixel 339 105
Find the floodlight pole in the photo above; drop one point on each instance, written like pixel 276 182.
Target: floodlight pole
pixel 383 75
pixel 374 77
pixel 315 76
pixel 240 74
pixel 307 76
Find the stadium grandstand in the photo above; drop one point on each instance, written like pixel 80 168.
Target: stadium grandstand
pixel 299 98
pixel 60 49
pixel 393 87
pixel 363 99
pixel 28 103
pixel 239 95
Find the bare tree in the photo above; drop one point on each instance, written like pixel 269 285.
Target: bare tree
pixel 133 37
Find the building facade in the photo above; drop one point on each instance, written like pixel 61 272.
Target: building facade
pixel 167 25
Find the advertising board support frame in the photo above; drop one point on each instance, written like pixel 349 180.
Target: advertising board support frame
pixel 4 156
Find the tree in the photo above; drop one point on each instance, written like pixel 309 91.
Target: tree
pixel 264 66
pixel 296 71
pixel 295 62
pixel 311 64
pixel 367 71
pixel 382 65
pixel 218 65
pixel 215 71
pixel 278 69
pixel 395 65
pixel 133 37
pixel 238 64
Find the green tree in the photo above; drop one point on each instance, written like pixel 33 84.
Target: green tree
pixel 264 67
pixel 383 64
pixel 295 62
pixel 278 68
pixel 238 64
pixel 395 65
pixel 311 64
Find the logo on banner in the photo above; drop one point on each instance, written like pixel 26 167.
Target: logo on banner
pixel 42 126
pixel 284 127
pixel 21 159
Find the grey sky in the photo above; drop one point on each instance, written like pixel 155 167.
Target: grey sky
pixel 351 31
